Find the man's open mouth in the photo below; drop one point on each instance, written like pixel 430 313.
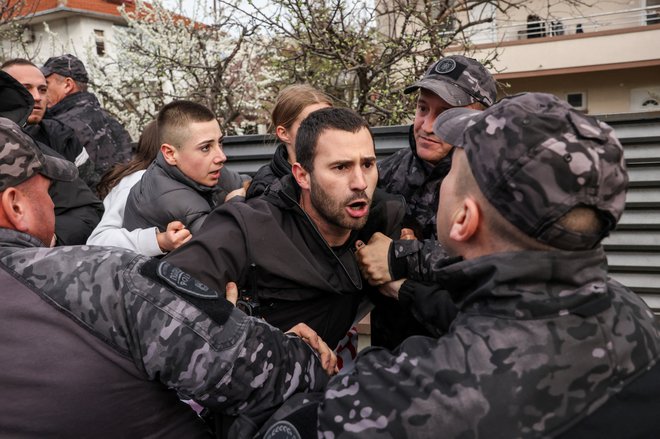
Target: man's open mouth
pixel 357 205
pixel 358 208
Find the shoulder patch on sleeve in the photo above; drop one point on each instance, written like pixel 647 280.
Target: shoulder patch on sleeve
pixel 184 282
pixel 282 430
pixel 189 289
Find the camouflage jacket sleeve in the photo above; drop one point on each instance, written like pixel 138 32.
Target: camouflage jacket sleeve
pixel 221 358
pixel 418 260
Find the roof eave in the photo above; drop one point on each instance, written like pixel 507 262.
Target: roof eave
pixel 64 12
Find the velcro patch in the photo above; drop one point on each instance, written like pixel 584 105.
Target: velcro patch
pixel 184 283
pixel 449 67
pixel 444 66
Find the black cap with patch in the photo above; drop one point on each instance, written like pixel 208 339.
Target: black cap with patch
pixel 459 80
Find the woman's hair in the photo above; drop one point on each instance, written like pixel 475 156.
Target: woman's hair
pixel 145 153
pixel 291 101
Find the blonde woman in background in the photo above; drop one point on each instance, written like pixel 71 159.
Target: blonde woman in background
pixel 292 105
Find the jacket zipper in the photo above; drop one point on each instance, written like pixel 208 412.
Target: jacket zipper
pixel 309 220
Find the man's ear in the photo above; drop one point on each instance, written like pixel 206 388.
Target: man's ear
pixel 13 207
pixel 170 153
pixel 465 221
pixel 70 86
pixel 301 175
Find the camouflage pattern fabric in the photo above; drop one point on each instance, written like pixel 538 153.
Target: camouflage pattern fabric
pixel 62 139
pixel 542 340
pixel 459 80
pixel 533 137
pixel 105 140
pixel 66 65
pixel 241 367
pixel 405 174
pixel 21 158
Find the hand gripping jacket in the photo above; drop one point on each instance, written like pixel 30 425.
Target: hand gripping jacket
pixel 98 342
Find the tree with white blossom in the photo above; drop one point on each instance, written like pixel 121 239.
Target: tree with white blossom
pixel 162 55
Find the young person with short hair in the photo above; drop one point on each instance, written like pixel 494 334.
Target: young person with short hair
pixel 184 182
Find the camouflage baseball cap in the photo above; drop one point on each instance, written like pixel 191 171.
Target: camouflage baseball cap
pixel 535 158
pixel 66 65
pixel 21 158
pixel 459 80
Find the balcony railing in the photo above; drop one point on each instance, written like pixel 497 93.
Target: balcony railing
pixel 559 26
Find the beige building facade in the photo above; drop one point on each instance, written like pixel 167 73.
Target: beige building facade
pixel 603 58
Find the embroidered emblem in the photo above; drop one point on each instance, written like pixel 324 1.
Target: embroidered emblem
pixel 445 66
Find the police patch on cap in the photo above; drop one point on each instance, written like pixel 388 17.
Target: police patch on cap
pixel 458 80
pixel 282 430
pixel 445 66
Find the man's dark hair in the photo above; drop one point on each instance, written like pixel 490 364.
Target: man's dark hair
pixel 174 118
pixel 343 119
pixel 17 62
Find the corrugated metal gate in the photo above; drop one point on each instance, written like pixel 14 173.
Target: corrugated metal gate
pixel 633 249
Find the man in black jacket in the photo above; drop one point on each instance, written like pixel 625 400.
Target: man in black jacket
pixel 77 209
pixel 69 102
pixel 291 249
pixel 50 132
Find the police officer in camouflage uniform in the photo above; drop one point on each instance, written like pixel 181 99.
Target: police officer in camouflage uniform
pixel 415 173
pixel 545 344
pixel 104 138
pixel 97 342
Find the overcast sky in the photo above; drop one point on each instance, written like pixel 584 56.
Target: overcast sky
pixel 191 8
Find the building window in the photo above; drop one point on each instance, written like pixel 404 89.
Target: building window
pixel 578 100
pixel 100 42
pixel 652 12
